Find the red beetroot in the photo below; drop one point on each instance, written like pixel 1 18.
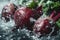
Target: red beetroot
pixel 22 16
pixel 45 25
pixel 8 11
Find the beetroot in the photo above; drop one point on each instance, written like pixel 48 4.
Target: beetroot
pixel 8 11
pixel 22 16
pixel 44 25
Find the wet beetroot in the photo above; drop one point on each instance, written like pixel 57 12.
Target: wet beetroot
pixel 45 25
pixel 22 16
pixel 8 11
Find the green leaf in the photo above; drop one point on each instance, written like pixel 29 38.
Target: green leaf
pixel 58 23
pixel 33 5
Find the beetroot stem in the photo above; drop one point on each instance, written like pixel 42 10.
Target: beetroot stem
pixel 56 17
pixel 52 15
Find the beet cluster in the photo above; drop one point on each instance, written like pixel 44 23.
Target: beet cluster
pixel 22 16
